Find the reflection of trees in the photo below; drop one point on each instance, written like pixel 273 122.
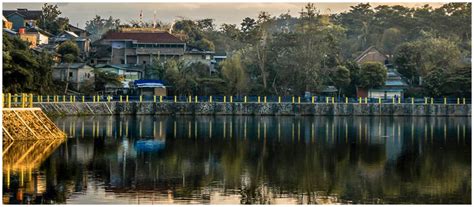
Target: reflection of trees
pixel 261 166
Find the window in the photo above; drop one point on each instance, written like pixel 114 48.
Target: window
pixel 122 61
pixel 70 74
pixel 144 62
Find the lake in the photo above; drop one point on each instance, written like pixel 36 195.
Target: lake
pixel 244 160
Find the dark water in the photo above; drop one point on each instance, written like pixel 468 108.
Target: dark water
pixel 242 160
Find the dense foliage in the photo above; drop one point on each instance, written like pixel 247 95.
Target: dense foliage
pixel 286 55
pixel 25 71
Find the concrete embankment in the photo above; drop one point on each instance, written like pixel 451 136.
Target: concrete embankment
pixel 21 124
pixel 206 108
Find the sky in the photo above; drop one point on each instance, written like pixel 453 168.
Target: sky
pixel 233 13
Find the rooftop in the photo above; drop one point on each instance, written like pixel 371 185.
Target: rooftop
pixel 27 14
pixel 71 66
pixel 143 37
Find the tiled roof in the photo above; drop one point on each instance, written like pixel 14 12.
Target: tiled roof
pixel 37 29
pixel 143 37
pixel 27 14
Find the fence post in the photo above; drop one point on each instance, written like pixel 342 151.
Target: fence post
pixel 426 100
pixel 154 99
pixel 399 100
pixel 231 99
pixel 120 97
pixel 393 100
pixel 108 98
pixel 9 100
pixel 327 100
pixel 365 100
pixel 93 99
pixel 64 98
pixel 279 99
pixel 23 100
pixel 380 100
pixel 312 99
pixel 175 99
pixel 70 99
pixel 412 100
pixel 265 99
pixel 245 99
pixel 432 101
pixel 332 99
pixel 126 98
pixel 31 100
pixel 47 98
pixel 83 99
pixel 457 101
pixel 225 99
pixel 463 100
pixel 161 99
pixel 258 99
pixel 445 101
pixel 210 99
pixel 195 99
pixel 299 100
pixel 292 99
pixel 347 100
pixel 98 98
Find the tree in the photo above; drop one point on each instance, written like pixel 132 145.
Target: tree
pixel 25 71
pixel 418 58
pixel 341 77
pixel 390 39
pixel 433 82
pixel 206 24
pixel 103 78
pixel 50 20
pixel 234 74
pixel 69 52
pixel 230 30
pixel 98 26
pixel 372 75
pixel 205 44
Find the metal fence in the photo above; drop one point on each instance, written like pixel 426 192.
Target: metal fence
pixel 27 100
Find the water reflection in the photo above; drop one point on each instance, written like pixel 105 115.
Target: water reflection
pixel 278 160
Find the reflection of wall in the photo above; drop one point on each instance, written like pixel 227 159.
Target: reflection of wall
pixel 210 159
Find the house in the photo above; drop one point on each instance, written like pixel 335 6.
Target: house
pixel 140 48
pixel 22 17
pixel 78 31
pixel 395 83
pixel 34 35
pixel 196 55
pixel 128 74
pixel 7 24
pixel 9 32
pixel 78 73
pixel 372 54
pixel 394 86
pixel 150 87
pixel 83 43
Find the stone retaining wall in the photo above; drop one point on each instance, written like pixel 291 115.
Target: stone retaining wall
pixel 150 108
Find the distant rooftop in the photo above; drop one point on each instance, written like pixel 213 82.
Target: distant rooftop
pixel 27 14
pixel 143 37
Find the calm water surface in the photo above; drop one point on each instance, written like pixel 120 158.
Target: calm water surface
pixel 244 160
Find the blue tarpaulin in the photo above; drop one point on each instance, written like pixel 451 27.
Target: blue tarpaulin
pixel 148 83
